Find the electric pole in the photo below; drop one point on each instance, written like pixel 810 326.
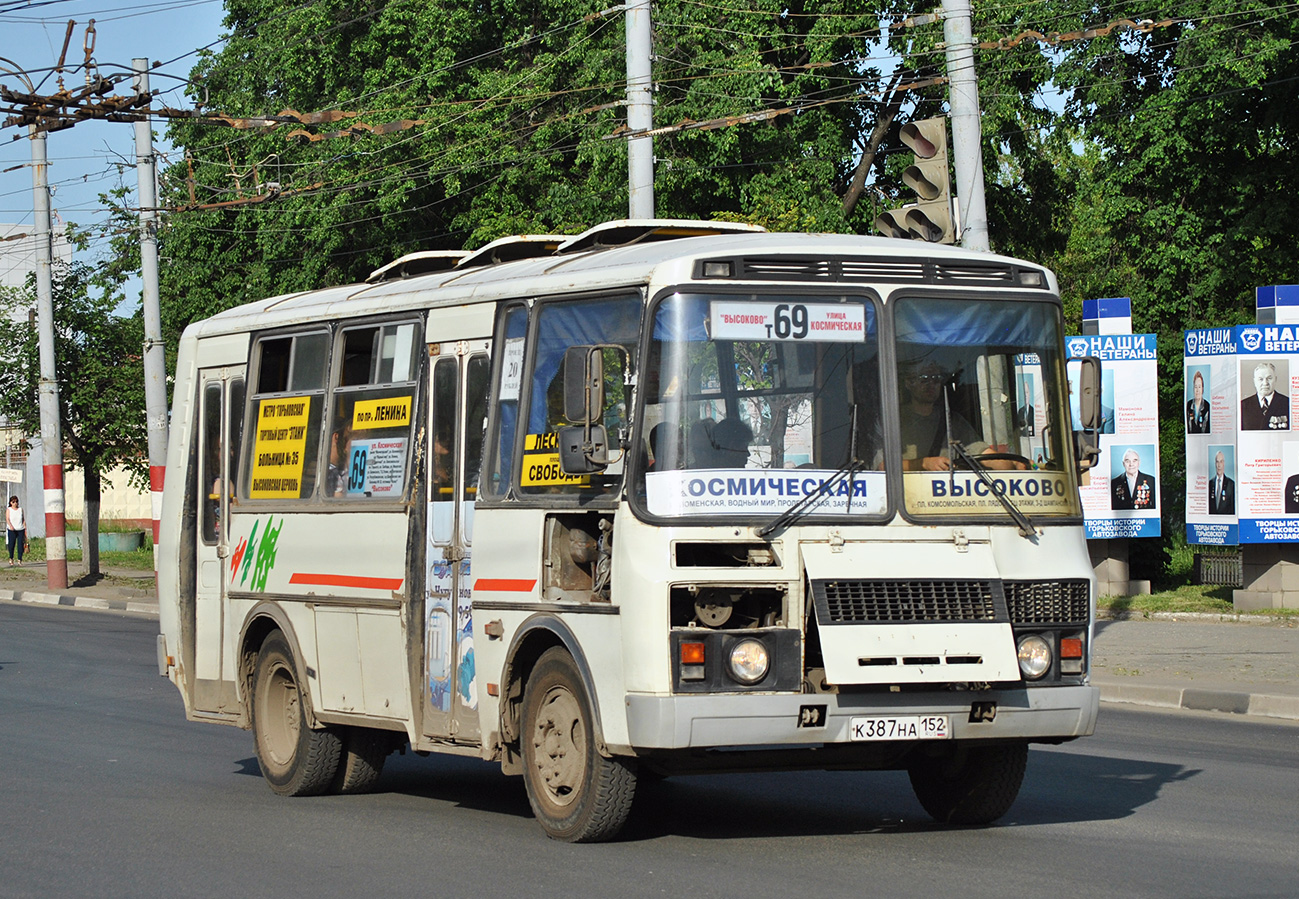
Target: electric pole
pixel 640 111
pixel 56 542
pixel 155 364
pixel 967 133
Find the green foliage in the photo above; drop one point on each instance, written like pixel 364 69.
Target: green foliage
pixel 520 123
pixel 98 369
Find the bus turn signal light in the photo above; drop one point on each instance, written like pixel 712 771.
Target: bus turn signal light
pixel 692 661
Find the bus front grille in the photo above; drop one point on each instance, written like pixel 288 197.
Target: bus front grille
pixel 894 601
pixel 1048 602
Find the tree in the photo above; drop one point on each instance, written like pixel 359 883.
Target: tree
pixel 100 378
pixel 465 124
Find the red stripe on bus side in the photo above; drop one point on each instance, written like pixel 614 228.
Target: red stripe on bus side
pixel 504 585
pixel 346 580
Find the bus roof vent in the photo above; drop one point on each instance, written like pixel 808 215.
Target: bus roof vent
pixel 794 267
pixel 905 271
pixel 509 249
pixel 863 269
pixel 990 273
pixel 625 232
pixel 424 262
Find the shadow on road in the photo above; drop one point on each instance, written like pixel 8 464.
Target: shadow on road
pixel 1059 787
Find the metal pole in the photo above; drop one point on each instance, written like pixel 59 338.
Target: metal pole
pixel 640 112
pixel 155 363
pixel 56 547
pixel 967 135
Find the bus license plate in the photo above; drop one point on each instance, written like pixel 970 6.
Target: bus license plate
pixel 901 727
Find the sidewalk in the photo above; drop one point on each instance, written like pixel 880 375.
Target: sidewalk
pixel 1191 662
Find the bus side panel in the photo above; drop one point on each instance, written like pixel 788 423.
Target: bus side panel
pixel 177 529
pixel 341 578
pixel 507 582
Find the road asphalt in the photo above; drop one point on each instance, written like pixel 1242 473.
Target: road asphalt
pixel 1242 664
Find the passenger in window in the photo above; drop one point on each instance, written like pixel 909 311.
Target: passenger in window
pixel 667 447
pixel 701 443
pixel 731 439
pixel 340 443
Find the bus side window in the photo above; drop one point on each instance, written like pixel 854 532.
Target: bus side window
pixel 561 325
pixel 210 477
pixel 285 416
pixel 373 408
pixel 511 339
pixel 478 376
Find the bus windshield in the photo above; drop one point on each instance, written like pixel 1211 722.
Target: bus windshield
pixel 753 402
pixel 986 375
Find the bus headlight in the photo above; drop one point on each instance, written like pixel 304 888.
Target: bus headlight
pixel 1034 656
pixel 748 661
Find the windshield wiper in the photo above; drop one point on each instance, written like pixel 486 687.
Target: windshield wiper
pixel 1026 526
pixel 804 505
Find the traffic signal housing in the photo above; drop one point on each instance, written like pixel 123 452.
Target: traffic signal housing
pixel 930 217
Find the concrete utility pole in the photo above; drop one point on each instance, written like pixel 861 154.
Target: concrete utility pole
pixel 967 134
pixel 640 111
pixel 155 364
pixel 56 543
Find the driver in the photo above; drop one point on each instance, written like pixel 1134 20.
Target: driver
pixel 924 421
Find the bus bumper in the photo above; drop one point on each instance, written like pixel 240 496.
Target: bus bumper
pixel 769 720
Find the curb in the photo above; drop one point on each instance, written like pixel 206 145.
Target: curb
pixel 1197 699
pixel 1213 617
pixel 83 602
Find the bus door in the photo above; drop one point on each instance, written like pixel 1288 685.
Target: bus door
pixel 221 416
pixel 457 418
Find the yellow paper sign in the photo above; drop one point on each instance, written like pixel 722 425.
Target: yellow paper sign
pixel 279 452
pixel 541 464
pixel 393 412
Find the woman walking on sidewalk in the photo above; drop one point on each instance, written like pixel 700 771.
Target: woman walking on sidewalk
pixel 17 530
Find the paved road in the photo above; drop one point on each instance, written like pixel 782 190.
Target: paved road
pixel 105 790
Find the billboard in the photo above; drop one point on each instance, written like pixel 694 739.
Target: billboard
pixel 1267 447
pixel 1210 411
pixel 1120 494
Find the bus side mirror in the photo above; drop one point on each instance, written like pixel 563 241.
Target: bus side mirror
pixel 580 453
pixel 1089 409
pixel 583 383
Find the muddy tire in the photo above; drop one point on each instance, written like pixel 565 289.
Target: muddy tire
pixel 361 761
pixel 578 795
pixel 971 784
pixel 295 759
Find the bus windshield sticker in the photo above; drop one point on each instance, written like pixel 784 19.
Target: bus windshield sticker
pixel 945 493
pixel 512 369
pixel 799 322
pixel 541 464
pixel 729 491
pixel 279 451
pixel 377 467
pixel 390 412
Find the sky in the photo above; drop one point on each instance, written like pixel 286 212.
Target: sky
pixel 92 157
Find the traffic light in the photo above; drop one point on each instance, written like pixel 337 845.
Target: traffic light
pixel 930 218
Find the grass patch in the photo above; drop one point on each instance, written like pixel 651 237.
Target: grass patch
pixel 137 560
pixel 1207 598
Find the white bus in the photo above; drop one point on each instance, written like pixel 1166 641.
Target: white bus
pixel 665 497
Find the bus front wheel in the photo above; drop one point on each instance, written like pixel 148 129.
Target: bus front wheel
pixel 971 784
pixel 295 759
pixel 578 795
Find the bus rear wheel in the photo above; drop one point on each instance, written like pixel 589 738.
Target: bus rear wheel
pixel 296 760
pixel 578 795
pixel 361 761
pixel 970 784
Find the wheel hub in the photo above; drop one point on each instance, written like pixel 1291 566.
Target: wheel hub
pixel 560 743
